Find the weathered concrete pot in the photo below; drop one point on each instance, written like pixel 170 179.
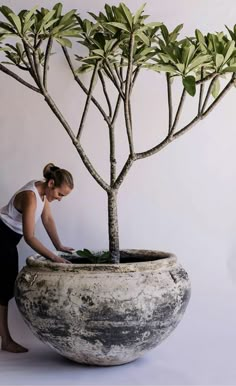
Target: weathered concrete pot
pixel 103 314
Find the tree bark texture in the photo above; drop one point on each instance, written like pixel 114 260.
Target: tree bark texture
pixel 113 228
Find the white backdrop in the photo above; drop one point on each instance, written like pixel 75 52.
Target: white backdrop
pixel 181 200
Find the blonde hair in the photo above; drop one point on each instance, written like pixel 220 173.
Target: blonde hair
pixel 58 175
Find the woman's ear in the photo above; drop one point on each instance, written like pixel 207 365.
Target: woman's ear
pixel 51 183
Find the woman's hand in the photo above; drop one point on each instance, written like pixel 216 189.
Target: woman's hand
pixel 59 259
pixel 62 248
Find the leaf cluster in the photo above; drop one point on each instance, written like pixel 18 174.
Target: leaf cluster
pixel 107 37
pixel 117 36
pixel 34 26
pixel 94 258
pixel 214 53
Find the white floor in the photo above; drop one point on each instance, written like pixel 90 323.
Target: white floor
pixel 201 351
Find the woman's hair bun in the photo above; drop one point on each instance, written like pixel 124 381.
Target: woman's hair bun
pixel 58 175
pixel 48 169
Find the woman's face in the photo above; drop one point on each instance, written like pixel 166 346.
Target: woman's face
pixel 56 193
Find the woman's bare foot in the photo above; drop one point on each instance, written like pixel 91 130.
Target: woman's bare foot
pixel 13 347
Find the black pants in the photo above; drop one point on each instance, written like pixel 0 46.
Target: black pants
pixel 8 262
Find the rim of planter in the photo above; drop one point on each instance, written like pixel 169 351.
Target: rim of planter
pixel 146 259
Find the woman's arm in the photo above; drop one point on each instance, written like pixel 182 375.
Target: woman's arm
pixel 50 226
pixel 28 207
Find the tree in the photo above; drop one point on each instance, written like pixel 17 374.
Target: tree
pixel 119 45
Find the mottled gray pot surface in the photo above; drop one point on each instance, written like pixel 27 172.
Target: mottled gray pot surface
pixel 103 314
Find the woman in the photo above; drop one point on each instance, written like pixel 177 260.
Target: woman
pixel 18 219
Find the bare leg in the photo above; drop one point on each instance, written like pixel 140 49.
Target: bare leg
pixel 8 344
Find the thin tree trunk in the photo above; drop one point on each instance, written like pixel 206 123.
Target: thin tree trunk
pixel 113 226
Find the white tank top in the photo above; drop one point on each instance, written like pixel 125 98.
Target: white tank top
pixel 12 217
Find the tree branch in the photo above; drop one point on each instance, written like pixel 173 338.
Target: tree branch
pixel 113 78
pixel 22 67
pixel 201 92
pixel 18 78
pixel 91 168
pixel 118 74
pixel 76 143
pixel 127 107
pixel 116 109
pixel 77 79
pixel 32 69
pixel 124 172
pixel 180 107
pixel 208 77
pixel 220 96
pixel 46 61
pixel 169 139
pixel 135 75
pixel 169 97
pixel 105 93
pixel 119 96
pixel 112 155
pixel 208 93
pixel 88 100
pixel 38 72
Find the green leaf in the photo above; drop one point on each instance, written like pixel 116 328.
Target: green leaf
pixel 163 67
pixel 110 28
pixel 83 253
pixel 64 42
pixel 164 57
pixel 143 37
pixel 6 12
pixel 16 21
pixel 119 25
pixel 27 26
pixel 145 51
pixel 188 52
pixel 180 67
pixel 30 14
pixel 7 27
pixel 215 88
pixel 109 12
pixel 165 33
pixel 91 14
pixel 71 33
pixel 219 59
pixel 48 17
pixel 198 62
pixel 118 15
pixel 99 52
pixel 189 85
pixel 67 16
pixel 57 29
pixel 19 49
pixel 84 68
pixel 199 36
pixel 12 64
pixel 229 51
pixel 13 48
pixel 153 24
pixel 50 23
pixel 94 258
pixel 175 32
pixel 229 69
pixel 109 45
pixel 230 32
pixel 148 26
pixel 138 13
pixel 99 40
pixel 58 8
pixel 127 14
pixel 91 59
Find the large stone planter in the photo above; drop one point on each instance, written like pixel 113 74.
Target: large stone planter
pixel 103 314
